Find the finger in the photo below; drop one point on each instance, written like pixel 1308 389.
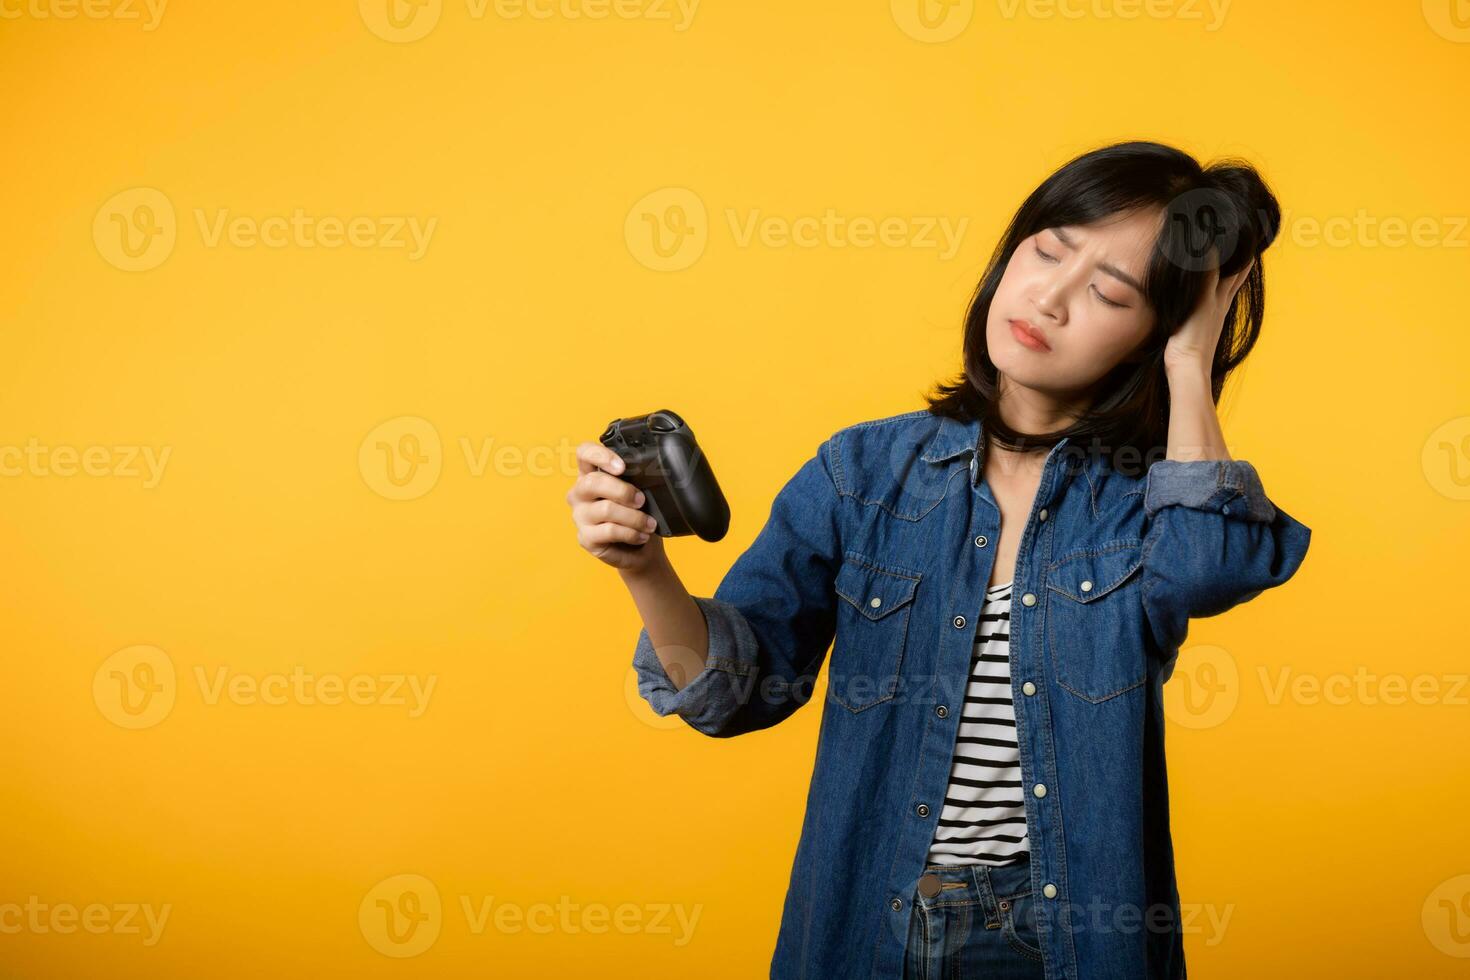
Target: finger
pixel 1233 284
pixel 1224 289
pixel 592 455
pixel 596 484
pixel 611 512
pixel 600 535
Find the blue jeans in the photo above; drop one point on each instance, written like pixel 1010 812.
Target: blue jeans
pixel 978 923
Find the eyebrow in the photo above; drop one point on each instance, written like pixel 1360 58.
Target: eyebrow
pixel 1107 267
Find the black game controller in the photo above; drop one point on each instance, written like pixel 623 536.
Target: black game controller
pixel 664 461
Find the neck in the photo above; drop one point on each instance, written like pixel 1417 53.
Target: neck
pixel 1028 410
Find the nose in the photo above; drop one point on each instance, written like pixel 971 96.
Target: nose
pixel 1051 298
pixel 1049 303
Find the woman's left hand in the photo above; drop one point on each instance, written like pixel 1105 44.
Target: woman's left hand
pixel 1192 346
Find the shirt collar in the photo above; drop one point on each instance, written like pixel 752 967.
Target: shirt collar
pixel 955 438
pixel 952 438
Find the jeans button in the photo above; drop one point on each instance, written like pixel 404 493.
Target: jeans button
pixel 929 885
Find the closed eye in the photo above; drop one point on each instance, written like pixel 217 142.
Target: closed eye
pixel 1053 258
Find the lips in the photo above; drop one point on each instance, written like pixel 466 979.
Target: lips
pixel 1025 327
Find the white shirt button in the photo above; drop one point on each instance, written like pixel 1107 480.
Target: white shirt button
pixel 1049 890
pixel 1039 789
pixel 1086 587
pixel 1042 515
pixel 875 602
pixel 1028 687
pixel 1029 599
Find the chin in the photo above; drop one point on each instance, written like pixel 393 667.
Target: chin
pixel 1026 372
pixel 1016 362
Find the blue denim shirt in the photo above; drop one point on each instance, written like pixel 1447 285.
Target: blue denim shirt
pixel 884 541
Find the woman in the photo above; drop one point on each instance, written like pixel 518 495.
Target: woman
pixel 989 796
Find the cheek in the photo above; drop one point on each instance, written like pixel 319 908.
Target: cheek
pixel 1118 336
pixel 1010 277
pixel 1001 306
pixel 1098 342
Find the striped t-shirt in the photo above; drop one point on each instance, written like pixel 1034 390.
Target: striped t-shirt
pixel 984 816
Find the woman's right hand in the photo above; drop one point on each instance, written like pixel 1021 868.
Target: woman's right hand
pixel 605 509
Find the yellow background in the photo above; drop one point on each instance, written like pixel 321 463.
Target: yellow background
pixel 1331 834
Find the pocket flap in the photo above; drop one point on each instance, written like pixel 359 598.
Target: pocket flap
pixel 1092 574
pixel 875 591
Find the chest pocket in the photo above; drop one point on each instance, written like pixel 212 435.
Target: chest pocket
pixel 872 631
pixel 1094 620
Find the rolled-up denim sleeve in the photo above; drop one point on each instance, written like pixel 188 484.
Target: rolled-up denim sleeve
pixel 1212 540
pixel 771 620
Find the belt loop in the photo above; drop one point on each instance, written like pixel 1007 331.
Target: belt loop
pixel 985 894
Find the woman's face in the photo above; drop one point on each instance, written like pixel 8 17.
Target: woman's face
pixel 1078 286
